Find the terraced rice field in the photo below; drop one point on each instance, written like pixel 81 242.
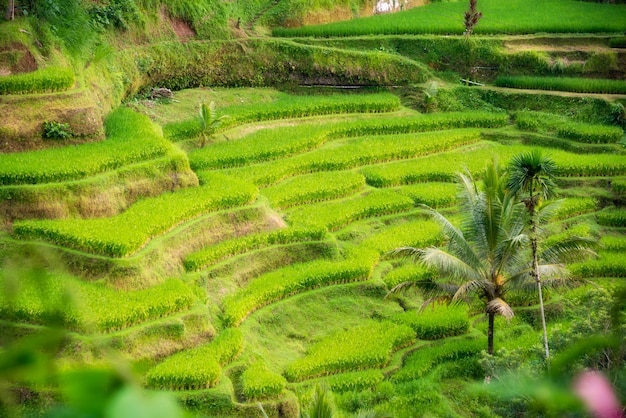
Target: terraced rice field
pixel 258 265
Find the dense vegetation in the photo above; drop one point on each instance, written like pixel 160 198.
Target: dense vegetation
pixel 258 267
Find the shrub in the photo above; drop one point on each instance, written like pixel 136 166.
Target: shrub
pixel 199 367
pixel 47 80
pixel 363 347
pixel 56 130
pixel 601 62
pixel 436 321
pixel 127 232
pixel 259 382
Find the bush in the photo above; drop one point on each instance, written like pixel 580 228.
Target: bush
pixel 199 367
pixel 258 382
pixel 47 80
pixel 601 62
pixel 436 322
pixel 56 130
pixel 362 347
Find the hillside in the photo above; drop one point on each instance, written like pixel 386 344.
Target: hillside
pixel 242 260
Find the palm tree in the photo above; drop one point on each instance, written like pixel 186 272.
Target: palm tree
pixel 209 121
pixel 532 174
pixel 485 254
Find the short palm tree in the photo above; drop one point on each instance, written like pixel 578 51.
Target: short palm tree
pixel 484 255
pixel 209 121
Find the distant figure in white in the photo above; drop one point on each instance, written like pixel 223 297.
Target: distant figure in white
pixel 386 6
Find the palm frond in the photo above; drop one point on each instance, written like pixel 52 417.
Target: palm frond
pixel 471 286
pixel 458 242
pixel 449 265
pixel 570 249
pixel 547 211
pixel 500 307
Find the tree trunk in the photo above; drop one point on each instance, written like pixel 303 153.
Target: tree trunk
pixel 491 316
pixel 535 273
pixel 10 15
pixel 538 280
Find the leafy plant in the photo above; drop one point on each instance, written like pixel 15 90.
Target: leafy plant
pixel 56 130
pixel 209 122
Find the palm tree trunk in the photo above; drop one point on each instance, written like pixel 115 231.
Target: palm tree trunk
pixel 538 280
pixel 491 316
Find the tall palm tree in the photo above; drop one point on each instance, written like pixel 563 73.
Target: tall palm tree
pixel 531 175
pixel 484 255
